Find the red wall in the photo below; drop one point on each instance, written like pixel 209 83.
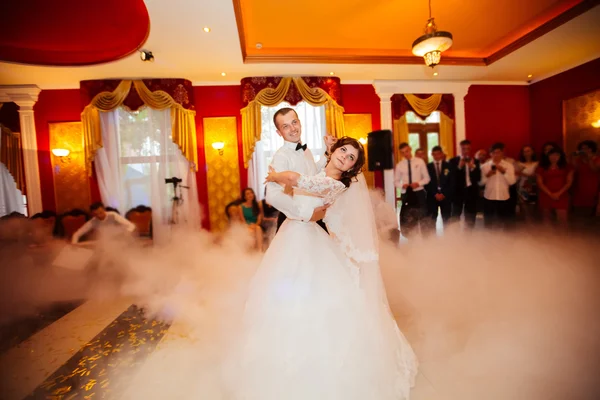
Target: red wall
pixel 498 113
pixel 362 99
pixel 52 106
pixel 547 97
pixel 216 101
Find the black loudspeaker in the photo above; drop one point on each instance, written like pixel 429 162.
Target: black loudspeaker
pixel 380 150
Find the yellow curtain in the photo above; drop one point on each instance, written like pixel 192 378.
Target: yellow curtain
pixel 447 135
pixel 426 106
pixel 334 113
pixel 400 135
pixel 11 155
pixel 251 116
pixel 182 121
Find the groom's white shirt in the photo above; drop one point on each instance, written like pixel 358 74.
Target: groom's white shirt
pixel 287 158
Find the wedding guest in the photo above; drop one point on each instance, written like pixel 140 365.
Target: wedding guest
pixel 554 179
pixel 466 191
pixel 252 214
pixel 439 189
pixel 497 175
pixel 411 176
pixel 420 153
pixel 527 191
pixel 101 219
pixel 270 215
pixel 587 180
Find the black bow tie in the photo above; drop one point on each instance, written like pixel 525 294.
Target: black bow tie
pixel 300 146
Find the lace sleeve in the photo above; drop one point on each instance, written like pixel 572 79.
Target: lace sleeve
pixel 322 186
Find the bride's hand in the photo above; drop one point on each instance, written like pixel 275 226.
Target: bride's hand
pixel 271 176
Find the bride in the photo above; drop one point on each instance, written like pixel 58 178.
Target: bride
pixel 317 324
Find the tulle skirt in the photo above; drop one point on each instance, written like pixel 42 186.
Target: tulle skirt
pixel 310 332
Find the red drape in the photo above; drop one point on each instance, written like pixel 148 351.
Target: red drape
pixel 180 90
pixel 400 105
pixel 252 86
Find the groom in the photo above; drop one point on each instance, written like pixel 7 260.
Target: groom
pixel 294 156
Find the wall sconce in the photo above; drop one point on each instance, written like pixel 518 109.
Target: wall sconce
pixel 596 124
pixel 61 152
pixel 363 140
pixel 218 146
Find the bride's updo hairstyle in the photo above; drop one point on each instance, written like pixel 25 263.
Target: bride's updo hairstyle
pixel 347 176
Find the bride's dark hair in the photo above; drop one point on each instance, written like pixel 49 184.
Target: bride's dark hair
pixel 347 176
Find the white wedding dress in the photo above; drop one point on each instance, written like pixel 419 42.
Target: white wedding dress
pixel 315 328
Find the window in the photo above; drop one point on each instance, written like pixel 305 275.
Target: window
pixel 313 129
pixel 423 133
pixel 141 139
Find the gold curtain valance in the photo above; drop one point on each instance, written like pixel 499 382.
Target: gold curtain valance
pixel 11 155
pixel 182 121
pixel 426 106
pixel 315 96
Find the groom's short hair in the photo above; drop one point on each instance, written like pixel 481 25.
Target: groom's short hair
pixel 282 111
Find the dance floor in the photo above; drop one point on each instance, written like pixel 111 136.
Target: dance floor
pixel 530 335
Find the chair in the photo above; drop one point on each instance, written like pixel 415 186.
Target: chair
pixel 141 217
pixel 69 222
pixel 45 223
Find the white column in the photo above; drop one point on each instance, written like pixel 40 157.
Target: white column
pixel 385 106
pixel 25 97
pixel 459 116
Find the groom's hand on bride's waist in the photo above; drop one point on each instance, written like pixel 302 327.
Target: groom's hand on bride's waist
pixel 319 213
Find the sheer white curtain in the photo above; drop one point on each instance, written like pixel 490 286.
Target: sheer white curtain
pixel 313 130
pixel 138 155
pixel 11 198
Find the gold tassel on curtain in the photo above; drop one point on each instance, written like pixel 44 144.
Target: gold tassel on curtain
pixel 182 121
pixel 269 97
pixel 11 155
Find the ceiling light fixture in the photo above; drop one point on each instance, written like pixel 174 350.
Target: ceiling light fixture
pixel 596 124
pixel 530 76
pixel 332 73
pixel 435 74
pixel 206 29
pixel 146 55
pixel 259 46
pixel 223 74
pixel 431 45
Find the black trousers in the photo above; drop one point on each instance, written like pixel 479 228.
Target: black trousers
pixel 281 217
pixel 411 215
pixel 465 202
pixel 496 213
pixel 434 208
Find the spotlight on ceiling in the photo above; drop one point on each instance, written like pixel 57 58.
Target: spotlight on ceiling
pixel 206 29
pixel 146 55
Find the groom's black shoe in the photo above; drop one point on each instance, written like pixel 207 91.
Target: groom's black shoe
pixel 281 217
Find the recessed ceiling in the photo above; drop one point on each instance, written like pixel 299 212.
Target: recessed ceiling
pixel 382 31
pixel 71 32
pixel 182 49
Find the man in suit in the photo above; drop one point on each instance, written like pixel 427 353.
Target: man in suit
pixel 466 188
pixel 411 176
pixel 440 189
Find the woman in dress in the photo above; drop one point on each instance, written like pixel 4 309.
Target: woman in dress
pixel 554 178
pixel 252 214
pixel 587 180
pixel 525 169
pixel 313 328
